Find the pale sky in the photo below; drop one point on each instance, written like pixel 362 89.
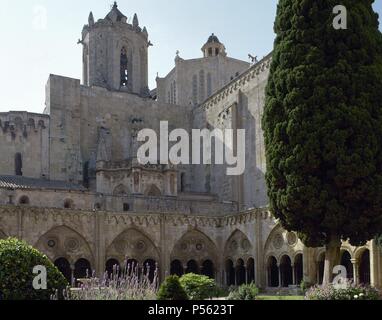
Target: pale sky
pixel 39 37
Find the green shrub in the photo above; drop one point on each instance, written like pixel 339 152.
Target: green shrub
pixel 352 292
pixel 198 287
pixel 244 292
pixel 17 260
pixel 304 286
pixel 171 289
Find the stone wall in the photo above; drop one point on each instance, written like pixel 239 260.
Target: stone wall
pixel 27 134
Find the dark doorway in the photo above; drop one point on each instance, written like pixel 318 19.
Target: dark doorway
pixel 321 268
pixel 208 269
pixel 230 273
pixel 63 265
pixel 364 268
pixel 240 272
pixel 176 268
pixel 273 273
pixel 251 270
pixel 286 272
pixel 346 262
pixel 82 270
pixel 192 267
pixel 298 269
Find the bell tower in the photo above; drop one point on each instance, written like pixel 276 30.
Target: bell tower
pixel 115 53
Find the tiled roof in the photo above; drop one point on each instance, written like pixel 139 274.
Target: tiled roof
pixel 18 182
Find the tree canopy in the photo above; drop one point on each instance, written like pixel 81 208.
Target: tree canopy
pixel 323 122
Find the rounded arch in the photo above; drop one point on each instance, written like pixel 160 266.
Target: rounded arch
pixel 24 200
pixel 195 245
pixel 133 244
pixel 65 242
pixel 68 204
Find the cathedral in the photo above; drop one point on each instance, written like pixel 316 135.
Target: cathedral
pixel 71 184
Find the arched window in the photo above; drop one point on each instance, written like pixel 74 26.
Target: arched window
pixel 18 164
pixel 124 68
pixel 24 200
pixel 68 204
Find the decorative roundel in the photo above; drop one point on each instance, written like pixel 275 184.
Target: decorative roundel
pixel 292 239
pixel 184 246
pixel 72 244
pixel 278 241
pixel 140 246
pixel 245 244
pixel 51 243
pixel 199 246
pixel 234 245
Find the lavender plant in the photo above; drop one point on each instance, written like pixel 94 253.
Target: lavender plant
pixel 350 292
pixel 130 283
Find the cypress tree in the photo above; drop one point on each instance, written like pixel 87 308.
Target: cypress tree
pixel 323 125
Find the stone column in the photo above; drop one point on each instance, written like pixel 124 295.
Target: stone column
pixel 246 275
pixel 317 272
pixel 280 278
pixel 355 271
pixel 373 264
pixel 293 275
pixel 73 282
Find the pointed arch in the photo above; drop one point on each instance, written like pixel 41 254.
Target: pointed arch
pixel 65 242
pixel 133 244
pixel 238 246
pixel 196 246
pixel 153 191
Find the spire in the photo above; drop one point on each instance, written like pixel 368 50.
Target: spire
pixel 135 21
pixel 91 19
pixel 115 5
